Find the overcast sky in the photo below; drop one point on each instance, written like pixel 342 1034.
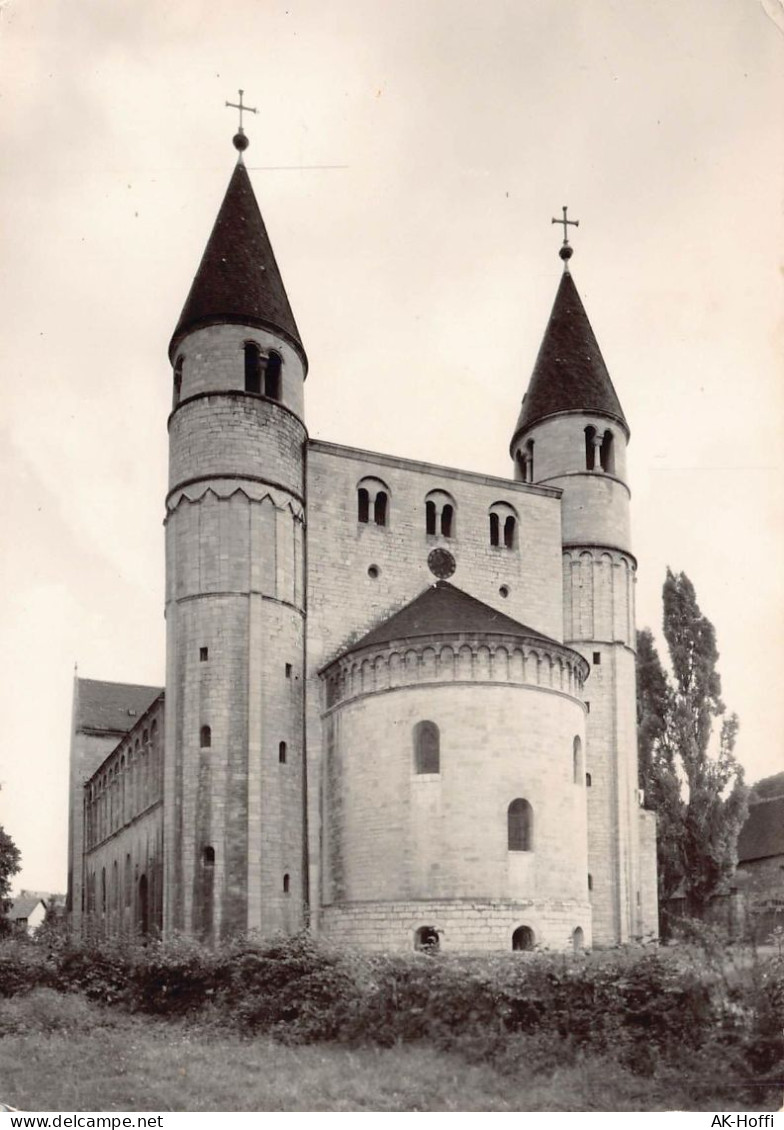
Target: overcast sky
pixel 408 157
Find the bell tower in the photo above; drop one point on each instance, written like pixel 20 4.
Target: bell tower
pixel 235 510
pixel 572 434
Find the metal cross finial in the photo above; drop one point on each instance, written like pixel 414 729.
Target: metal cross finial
pixel 239 106
pixel 566 250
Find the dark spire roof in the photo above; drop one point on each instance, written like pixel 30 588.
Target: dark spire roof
pixel 570 374
pixel 443 609
pixel 238 280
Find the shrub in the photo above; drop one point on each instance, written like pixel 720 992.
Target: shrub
pixel 46 1011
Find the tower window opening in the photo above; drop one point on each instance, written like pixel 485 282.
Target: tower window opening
pixel 177 380
pixel 440 514
pixel 380 508
pixel 208 856
pixel 494 529
pixel 590 448
pixel 520 460
pixel 597 658
pixel 607 453
pixel 447 515
pixel 272 371
pixel 427 748
pixel 577 746
pixel 528 470
pixel 588 780
pixel 520 819
pixel 578 939
pixel 426 940
pixel 430 517
pixel 252 367
pixel 363 505
pixel 288 670
pixel 204 654
pixel 590 881
pixel 286 884
pixel 205 737
pixel 509 532
pixel 523 939
pixel 282 753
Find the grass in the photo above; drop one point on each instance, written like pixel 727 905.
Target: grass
pixel 144 1064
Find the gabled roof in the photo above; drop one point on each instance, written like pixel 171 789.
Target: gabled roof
pixel 443 609
pixel 570 374
pixel 762 835
pixel 115 707
pixel 23 907
pixel 238 281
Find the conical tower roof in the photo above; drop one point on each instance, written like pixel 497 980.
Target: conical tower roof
pixel 570 374
pixel 238 280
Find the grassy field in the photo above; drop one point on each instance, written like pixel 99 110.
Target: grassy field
pixel 143 1064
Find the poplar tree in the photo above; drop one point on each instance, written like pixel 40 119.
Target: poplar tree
pixel 10 863
pixel 688 769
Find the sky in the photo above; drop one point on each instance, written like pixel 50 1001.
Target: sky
pixel 408 158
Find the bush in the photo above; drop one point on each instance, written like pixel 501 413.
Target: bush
pixel 47 1011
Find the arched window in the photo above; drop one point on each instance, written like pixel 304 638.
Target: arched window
pixel 373 501
pixel 587 780
pixel 177 380
pixel 577 746
pixel 272 371
pixel 607 453
pixel 520 821
pixel 427 748
pixel 590 448
pixel 529 462
pixel 523 938
pixel 115 886
pixel 494 529
pixel 426 939
pixel 440 513
pixel 252 367
pixel 282 753
pixel 205 737
pixel 578 939
pixel 128 880
pixel 103 890
pixel 286 884
pixel 208 856
pixel 503 525
pixel 590 881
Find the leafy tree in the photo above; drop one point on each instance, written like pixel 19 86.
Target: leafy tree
pixel 10 863
pixel 688 773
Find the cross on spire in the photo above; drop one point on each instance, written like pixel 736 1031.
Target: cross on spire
pixel 240 140
pixel 566 251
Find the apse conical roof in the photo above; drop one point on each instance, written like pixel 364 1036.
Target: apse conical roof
pixel 570 374
pixel 238 281
pixel 443 609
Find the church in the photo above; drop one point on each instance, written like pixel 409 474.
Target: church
pixel 400 698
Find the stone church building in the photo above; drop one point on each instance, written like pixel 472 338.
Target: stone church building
pixel 400 697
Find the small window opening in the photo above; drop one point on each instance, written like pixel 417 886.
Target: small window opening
pixel 252 367
pixel 529 461
pixel 373 572
pixel 588 780
pixel 504 591
pixel 430 517
pixel 521 465
pixel 587 707
pixel 363 505
pixel 204 654
pixel 576 752
pixel 597 658
pixel 523 939
pixel 590 881
pixel 208 856
pixel 205 737
pixel 494 529
pixel 447 515
pixel 177 380
pixel 520 819
pixel 509 532
pixel 607 453
pixel 590 448
pixel 426 940
pixel 578 939
pixel 282 753
pixel 286 884
pixel 272 373
pixel 380 509
pixel 288 670
pixel 427 751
